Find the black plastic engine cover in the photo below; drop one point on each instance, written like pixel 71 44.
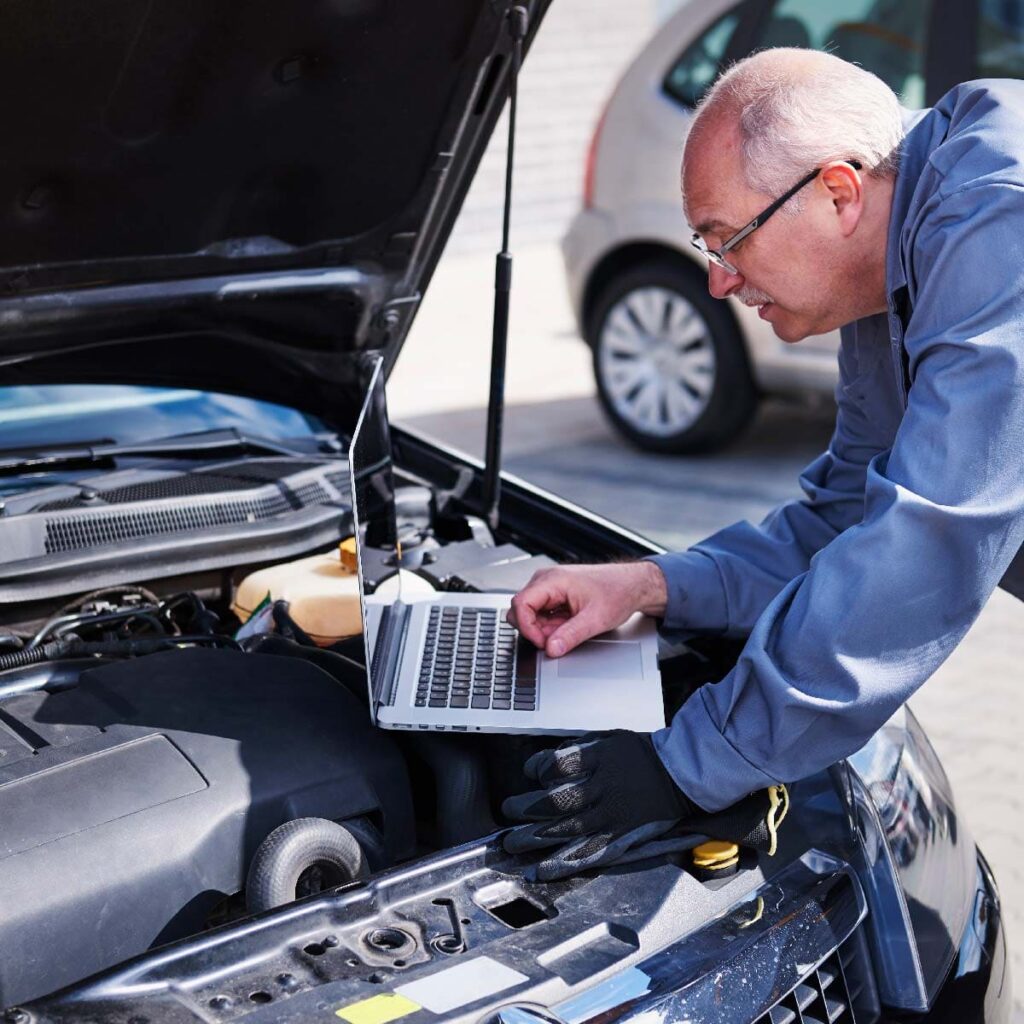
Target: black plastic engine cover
pixel 132 804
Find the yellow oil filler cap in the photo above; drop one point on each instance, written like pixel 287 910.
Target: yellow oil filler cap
pixel 715 859
pixel 347 554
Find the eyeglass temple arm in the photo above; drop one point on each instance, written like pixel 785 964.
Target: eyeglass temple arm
pixel 782 200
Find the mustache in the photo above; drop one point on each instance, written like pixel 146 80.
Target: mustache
pixel 753 296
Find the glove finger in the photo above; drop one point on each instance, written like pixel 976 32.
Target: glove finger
pixel 604 849
pixel 572 858
pixel 544 804
pixel 571 760
pixel 532 806
pixel 527 838
pixel 550 832
pixel 536 763
pixel 570 826
pixel 658 847
pixel 615 846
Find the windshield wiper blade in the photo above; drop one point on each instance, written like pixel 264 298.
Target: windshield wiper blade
pixel 207 444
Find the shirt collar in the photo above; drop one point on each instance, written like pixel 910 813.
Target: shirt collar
pixel 924 130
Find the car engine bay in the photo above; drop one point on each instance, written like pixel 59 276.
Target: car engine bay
pixel 148 750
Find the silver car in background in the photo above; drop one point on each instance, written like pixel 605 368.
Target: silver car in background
pixel 676 370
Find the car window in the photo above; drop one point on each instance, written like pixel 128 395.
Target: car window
pixel 1000 39
pixel 694 71
pixel 887 37
pixel 64 413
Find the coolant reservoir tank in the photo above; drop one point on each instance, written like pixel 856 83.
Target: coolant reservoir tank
pixel 322 592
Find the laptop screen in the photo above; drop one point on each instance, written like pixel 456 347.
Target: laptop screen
pixel 373 495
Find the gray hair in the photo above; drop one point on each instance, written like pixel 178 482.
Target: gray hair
pixel 798 109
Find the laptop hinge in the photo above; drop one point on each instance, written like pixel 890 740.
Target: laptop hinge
pixel 387 652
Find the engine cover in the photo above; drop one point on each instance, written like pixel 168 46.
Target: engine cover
pixel 132 804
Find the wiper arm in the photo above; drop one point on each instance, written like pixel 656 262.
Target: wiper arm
pixel 207 444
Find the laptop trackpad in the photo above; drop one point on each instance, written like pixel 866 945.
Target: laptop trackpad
pixel 602 659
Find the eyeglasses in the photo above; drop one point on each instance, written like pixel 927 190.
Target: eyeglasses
pixel 717 256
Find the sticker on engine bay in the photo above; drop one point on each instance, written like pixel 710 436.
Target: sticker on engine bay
pixel 378 1009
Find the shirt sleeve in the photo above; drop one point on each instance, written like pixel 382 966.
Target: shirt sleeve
pixel 844 644
pixel 724 583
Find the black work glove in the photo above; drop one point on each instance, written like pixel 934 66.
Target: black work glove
pixel 607 799
pixel 602 794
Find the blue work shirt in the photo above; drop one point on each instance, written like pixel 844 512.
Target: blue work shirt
pixel 854 595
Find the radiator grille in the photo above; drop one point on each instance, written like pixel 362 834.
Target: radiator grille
pixel 88 531
pixel 841 990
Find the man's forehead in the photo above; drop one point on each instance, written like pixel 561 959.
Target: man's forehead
pixel 712 175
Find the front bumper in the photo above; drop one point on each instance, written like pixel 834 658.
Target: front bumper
pixel 791 949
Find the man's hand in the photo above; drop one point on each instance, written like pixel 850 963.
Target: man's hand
pixel 560 608
pixel 600 794
pixel 606 798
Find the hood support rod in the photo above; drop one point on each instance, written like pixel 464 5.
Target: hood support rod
pixel 517 25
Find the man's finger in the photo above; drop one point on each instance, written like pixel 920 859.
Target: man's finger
pixel 572 633
pixel 528 605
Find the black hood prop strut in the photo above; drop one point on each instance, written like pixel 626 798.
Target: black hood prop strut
pixel 517 26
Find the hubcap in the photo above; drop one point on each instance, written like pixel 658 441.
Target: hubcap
pixel 657 361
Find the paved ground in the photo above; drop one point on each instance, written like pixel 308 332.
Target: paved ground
pixel 557 438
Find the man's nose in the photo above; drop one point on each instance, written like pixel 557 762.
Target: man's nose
pixel 721 283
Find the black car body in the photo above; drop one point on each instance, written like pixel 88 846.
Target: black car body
pixel 246 200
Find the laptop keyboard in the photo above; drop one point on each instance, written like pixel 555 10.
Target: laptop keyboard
pixel 469 661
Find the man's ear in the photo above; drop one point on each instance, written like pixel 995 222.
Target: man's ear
pixel 846 192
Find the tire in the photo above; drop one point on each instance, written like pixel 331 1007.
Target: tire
pixel 671 368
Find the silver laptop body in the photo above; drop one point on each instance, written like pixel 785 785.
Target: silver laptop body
pixel 449 661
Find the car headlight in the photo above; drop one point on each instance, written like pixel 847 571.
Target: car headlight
pixel 919 863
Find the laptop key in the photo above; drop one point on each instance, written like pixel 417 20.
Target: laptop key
pixel 502 705
pixel 459 702
pixel 481 702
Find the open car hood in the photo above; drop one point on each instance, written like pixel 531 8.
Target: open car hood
pixel 234 197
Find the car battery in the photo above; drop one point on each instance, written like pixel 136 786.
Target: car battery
pixel 502 578
pixel 441 564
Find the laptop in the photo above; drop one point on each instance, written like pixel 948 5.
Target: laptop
pixel 450 661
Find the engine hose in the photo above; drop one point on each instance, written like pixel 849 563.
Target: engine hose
pixel 463 802
pixel 127 647
pixel 295 847
pixel 35 655
pixel 50 676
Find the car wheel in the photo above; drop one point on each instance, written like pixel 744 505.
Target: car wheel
pixel 671 368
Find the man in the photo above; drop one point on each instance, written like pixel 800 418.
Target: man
pixel 814 202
